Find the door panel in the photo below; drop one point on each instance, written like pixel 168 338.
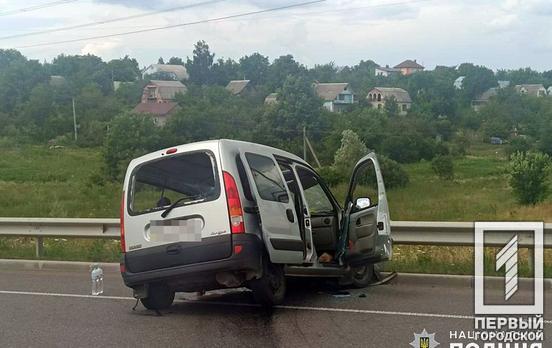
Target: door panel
pixel 368 226
pixel 324 232
pixel 281 234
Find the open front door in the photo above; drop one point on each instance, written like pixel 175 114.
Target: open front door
pixel 366 230
pixel 279 223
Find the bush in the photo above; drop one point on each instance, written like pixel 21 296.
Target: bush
pixel 519 144
pixel 459 145
pixel 528 175
pixel 393 173
pixel 408 148
pixel 443 167
pixel 332 176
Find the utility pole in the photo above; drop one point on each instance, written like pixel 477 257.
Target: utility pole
pixel 304 143
pixel 74 118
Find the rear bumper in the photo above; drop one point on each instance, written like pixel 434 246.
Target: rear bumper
pixel 249 259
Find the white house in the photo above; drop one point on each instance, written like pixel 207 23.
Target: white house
pixel 336 96
pixel 536 90
pixel 386 71
pixel 379 95
pixel 172 71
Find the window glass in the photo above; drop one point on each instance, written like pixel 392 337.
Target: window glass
pixel 190 177
pixel 267 178
pixel 366 184
pixel 317 199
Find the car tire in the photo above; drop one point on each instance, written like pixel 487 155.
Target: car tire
pixel 361 276
pixel 270 289
pixel 160 296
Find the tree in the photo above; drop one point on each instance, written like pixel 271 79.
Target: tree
pixel 391 107
pixel 528 174
pixel 477 80
pixel 324 72
pixel 199 67
pixel 125 69
pixel 225 70
pixel 281 69
pixel 298 106
pixel 80 71
pixel 176 61
pixel 129 136
pixel 255 68
pixel 160 61
pixel 351 150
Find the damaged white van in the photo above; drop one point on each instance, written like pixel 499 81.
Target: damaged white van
pixel 224 214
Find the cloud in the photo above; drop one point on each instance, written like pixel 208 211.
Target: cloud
pixel 505 34
pixel 101 48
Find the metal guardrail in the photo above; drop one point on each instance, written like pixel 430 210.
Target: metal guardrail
pixel 439 233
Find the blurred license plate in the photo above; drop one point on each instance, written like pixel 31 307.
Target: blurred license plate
pixel 175 230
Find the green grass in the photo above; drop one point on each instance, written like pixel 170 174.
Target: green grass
pixel 39 182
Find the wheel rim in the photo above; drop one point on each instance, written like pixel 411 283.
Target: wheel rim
pixel 361 272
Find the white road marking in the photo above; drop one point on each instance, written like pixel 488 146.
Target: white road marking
pixel 239 304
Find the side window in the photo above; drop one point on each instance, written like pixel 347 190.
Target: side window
pixel 267 178
pixel 243 179
pixel 317 199
pixel 365 186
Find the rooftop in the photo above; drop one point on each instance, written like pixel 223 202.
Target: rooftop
pixel 409 64
pixel 330 91
pixel 160 109
pixel 237 86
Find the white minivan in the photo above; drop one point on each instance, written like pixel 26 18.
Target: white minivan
pixel 225 214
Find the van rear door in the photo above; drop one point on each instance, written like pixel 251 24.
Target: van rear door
pixel 176 211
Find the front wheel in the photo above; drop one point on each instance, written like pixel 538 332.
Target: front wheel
pixel 160 296
pixel 270 289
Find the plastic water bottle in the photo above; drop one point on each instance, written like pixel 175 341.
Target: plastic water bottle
pixel 97 280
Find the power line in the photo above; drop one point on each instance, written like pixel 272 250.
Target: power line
pixel 37 7
pixel 216 19
pixel 112 20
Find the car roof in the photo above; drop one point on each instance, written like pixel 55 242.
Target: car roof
pixel 222 143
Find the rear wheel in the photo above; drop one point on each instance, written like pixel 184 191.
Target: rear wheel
pixel 362 276
pixel 270 289
pixel 160 296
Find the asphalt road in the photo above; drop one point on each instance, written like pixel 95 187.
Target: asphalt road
pixel 52 308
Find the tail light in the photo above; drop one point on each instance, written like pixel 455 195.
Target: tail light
pixel 122 222
pixel 234 204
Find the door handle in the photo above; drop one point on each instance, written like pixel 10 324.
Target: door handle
pixel 380 226
pixel 289 214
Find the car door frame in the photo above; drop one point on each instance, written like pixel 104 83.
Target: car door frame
pixel 282 248
pixel 383 242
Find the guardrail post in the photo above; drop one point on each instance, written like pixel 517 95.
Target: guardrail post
pixel 39 247
pixel 531 259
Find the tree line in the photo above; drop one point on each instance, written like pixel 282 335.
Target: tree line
pixel 441 122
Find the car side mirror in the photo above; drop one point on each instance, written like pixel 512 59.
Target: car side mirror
pixel 362 202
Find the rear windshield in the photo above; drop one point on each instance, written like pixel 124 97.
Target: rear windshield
pixel 189 178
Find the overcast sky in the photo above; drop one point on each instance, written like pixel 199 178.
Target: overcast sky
pixel 495 33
